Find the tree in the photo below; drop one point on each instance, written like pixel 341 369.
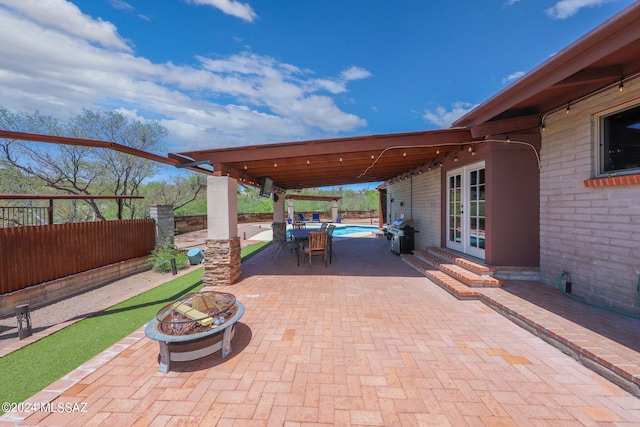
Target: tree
pixel 178 191
pixel 84 170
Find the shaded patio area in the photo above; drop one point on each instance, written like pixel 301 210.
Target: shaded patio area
pixel 366 341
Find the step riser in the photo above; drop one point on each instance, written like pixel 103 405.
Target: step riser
pixel 458 272
pixel 448 283
pixel 478 269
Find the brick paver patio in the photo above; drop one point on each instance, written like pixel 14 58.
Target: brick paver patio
pixel 366 341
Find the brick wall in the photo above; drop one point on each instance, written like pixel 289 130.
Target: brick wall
pixel 421 200
pixel 593 233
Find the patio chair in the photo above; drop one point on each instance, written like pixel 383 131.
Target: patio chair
pixel 302 218
pixel 323 226
pixel 330 233
pixel 315 217
pixel 284 243
pixel 317 245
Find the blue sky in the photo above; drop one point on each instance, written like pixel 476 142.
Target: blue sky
pixel 220 73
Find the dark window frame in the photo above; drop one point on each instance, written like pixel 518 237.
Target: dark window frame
pixel 619 142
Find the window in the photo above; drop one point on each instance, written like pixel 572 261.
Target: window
pixel 620 142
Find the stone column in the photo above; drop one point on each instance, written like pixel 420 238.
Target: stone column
pixel 278 208
pixel 290 206
pixel 334 211
pixel 165 225
pixel 222 252
pixel 279 224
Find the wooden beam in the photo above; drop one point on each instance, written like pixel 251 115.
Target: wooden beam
pixel 506 126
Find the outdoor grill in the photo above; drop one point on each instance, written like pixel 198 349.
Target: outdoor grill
pixel 401 235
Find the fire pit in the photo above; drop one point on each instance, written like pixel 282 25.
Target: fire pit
pixel 195 326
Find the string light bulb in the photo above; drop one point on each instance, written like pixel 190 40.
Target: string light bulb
pixel 568 108
pixel 340 158
pixel 275 164
pixel 245 165
pixel 621 86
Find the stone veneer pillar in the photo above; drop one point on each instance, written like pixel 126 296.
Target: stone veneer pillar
pixel 222 264
pixel 280 228
pixel 165 223
pixel 222 251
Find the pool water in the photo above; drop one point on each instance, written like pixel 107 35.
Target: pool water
pixel 345 230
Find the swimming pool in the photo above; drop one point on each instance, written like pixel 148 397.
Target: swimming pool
pixel 346 230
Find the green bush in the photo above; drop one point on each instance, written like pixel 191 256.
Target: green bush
pixel 160 257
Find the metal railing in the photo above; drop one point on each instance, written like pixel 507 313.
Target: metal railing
pixel 20 216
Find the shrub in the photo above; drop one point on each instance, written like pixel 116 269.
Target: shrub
pixel 160 257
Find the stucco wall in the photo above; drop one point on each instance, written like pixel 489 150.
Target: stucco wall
pixel 421 200
pixel 593 233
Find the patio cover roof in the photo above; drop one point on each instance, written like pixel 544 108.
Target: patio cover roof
pixel 307 197
pixel 329 162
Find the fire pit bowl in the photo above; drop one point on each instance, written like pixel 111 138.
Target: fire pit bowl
pixel 195 326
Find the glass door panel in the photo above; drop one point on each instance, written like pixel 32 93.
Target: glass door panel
pixel 466 202
pixel 455 211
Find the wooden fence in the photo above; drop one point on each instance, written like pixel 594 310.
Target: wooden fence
pixel 34 255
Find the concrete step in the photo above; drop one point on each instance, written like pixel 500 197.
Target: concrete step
pixel 458 271
pixel 442 279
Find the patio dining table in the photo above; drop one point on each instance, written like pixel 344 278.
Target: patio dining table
pixel 302 235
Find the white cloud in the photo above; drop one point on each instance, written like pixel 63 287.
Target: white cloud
pixel 355 73
pixel 511 2
pixel 566 8
pixel 239 99
pixel 513 76
pixel 230 7
pixel 65 17
pixel 121 5
pixel 443 118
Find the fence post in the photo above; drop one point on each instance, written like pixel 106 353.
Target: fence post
pixel 165 223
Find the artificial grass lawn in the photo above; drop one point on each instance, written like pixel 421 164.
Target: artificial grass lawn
pixel 28 370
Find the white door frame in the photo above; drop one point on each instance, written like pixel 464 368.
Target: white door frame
pixel 458 225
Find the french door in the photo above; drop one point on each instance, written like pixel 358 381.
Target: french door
pixel 466 210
